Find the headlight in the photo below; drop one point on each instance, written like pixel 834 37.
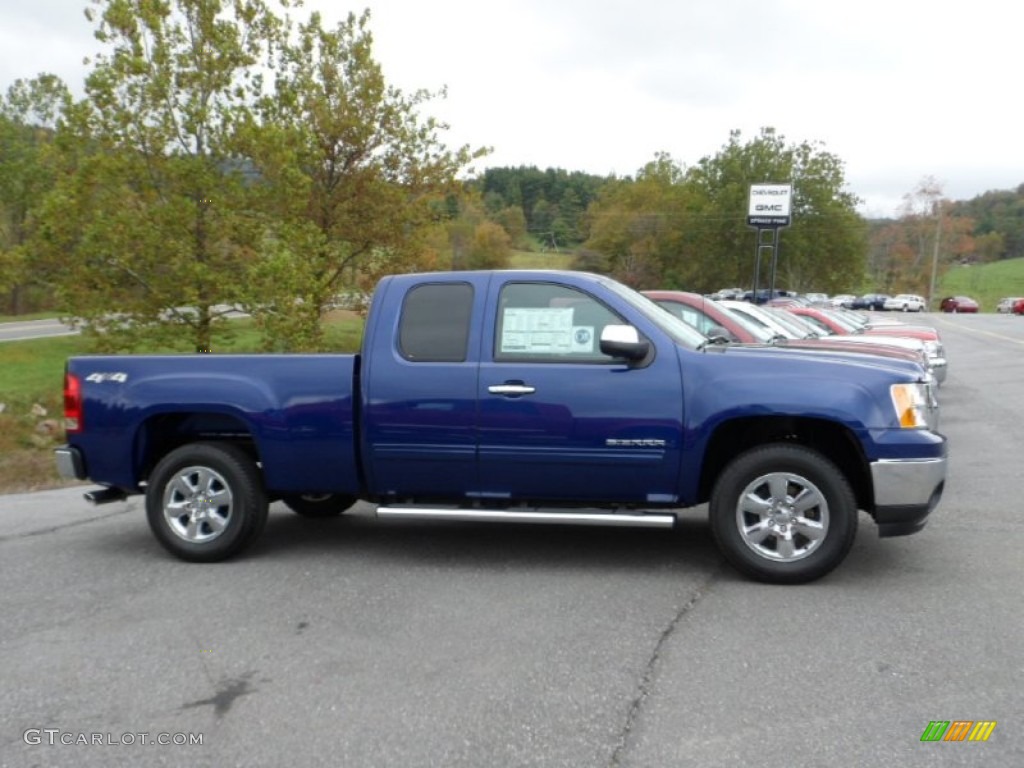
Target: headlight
pixel 933 348
pixel 911 404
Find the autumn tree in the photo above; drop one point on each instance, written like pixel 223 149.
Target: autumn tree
pixel 675 227
pixel 824 247
pixel 151 219
pixel 638 226
pixel 491 247
pixel 28 118
pixel 910 255
pixel 348 171
pixel 513 221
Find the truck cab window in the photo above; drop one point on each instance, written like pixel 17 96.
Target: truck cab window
pixel 544 322
pixel 434 325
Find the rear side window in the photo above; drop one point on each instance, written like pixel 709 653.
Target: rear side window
pixel 435 323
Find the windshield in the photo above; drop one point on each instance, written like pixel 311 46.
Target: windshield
pixel 799 325
pixel 755 314
pixel 847 320
pixel 759 331
pixel 680 332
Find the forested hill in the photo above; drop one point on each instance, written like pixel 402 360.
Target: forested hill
pixel 553 199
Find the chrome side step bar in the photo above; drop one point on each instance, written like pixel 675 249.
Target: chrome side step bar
pixel 558 517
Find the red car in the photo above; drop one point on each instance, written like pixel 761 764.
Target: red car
pixel 711 318
pixel 842 325
pixel 958 304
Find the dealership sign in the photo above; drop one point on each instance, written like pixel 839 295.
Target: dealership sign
pixel 770 205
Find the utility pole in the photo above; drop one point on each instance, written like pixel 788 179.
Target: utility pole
pixel 935 253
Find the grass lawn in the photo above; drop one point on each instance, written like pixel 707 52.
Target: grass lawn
pixel 535 260
pixel 985 283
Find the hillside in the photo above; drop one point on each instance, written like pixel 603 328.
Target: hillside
pixel 986 283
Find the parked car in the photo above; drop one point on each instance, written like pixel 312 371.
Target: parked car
pixel 1011 305
pixel 786 324
pixel 834 321
pixel 719 323
pixel 844 300
pixel 728 293
pixel 958 304
pixel 905 302
pixel 763 295
pixel 870 301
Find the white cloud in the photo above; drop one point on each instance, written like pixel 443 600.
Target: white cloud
pixel 897 90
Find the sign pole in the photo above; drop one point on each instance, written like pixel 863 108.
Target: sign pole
pixel 768 211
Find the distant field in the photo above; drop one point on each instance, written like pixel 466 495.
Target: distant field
pixel 532 260
pixel 987 283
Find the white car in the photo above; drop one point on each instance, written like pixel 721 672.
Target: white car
pixel 905 302
pixel 1006 305
pixel 842 300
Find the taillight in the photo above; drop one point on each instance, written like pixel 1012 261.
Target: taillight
pixel 72 403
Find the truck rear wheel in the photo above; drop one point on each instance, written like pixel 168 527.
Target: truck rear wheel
pixel 783 514
pixel 319 504
pixel 205 501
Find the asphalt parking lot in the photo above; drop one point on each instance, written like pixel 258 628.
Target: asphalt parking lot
pixel 364 642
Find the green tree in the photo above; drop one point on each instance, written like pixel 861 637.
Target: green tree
pixel 28 118
pixel 639 226
pixel 149 224
pixel 490 248
pixel 349 173
pixel 999 212
pixel 513 221
pixel 824 248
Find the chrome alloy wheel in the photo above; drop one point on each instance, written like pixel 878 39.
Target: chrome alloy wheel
pixel 782 516
pixel 197 504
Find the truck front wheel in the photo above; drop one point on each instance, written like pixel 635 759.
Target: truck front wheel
pixel 205 501
pixel 783 514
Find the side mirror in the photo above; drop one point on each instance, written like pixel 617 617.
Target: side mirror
pixel 718 335
pixel 624 341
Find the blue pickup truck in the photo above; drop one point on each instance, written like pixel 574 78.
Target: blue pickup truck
pixel 522 396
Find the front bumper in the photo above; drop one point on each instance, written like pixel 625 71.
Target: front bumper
pixel 70 463
pixel 906 491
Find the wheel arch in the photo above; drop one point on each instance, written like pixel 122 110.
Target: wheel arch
pixel 834 441
pixel 161 433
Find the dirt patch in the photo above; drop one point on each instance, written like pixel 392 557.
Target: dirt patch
pixel 23 470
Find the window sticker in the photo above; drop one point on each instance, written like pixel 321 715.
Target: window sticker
pixel 583 339
pixel 538 331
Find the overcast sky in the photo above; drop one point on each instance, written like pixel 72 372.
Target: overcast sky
pixel 899 90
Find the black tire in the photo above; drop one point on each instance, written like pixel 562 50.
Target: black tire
pixel 319 504
pixel 791 542
pixel 205 501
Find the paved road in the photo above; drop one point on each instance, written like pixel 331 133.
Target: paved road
pixel 358 642
pixel 33 329
pixel 37 329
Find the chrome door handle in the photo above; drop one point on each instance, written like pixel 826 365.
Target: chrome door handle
pixel 511 389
